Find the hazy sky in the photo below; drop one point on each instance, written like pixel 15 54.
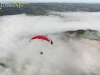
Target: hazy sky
pixel 74 1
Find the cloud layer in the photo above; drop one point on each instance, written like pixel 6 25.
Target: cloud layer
pixel 66 57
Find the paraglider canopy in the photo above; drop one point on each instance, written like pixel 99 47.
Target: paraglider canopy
pixel 42 37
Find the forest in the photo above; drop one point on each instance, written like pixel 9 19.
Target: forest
pixel 43 8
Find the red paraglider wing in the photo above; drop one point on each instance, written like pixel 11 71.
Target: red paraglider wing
pixel 42 38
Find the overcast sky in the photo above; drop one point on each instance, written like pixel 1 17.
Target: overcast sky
pixel 67 1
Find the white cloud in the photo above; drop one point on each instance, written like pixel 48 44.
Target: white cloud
pixel 65 57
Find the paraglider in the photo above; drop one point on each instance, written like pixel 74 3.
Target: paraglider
pixel 41 53
pixel 42 37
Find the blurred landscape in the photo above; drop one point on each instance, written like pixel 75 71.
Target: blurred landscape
pixel 44 8
pixel 73 28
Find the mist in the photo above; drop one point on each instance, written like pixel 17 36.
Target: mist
pixel 68 55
